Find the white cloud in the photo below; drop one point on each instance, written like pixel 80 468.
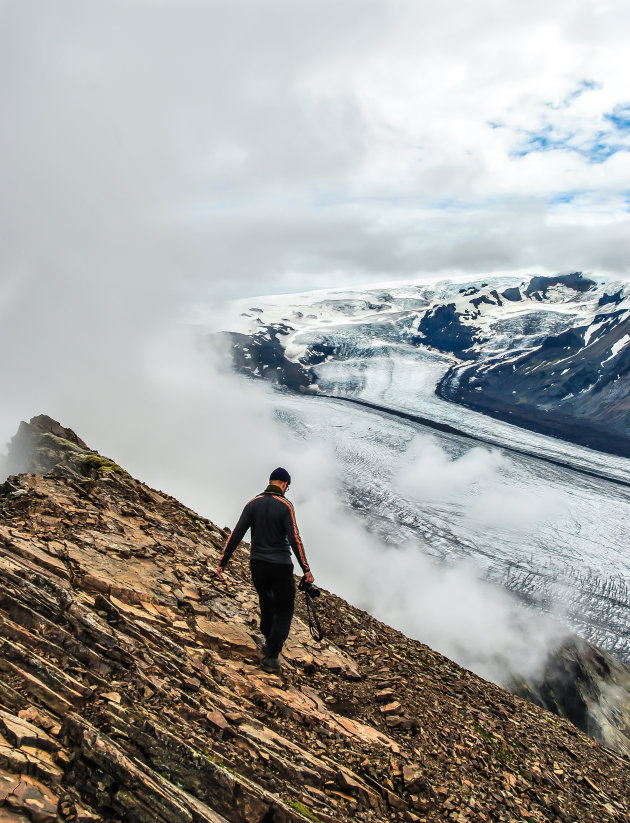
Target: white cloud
pixel 242 147
pixel 430 474
pixel 480 485
pixel 448 607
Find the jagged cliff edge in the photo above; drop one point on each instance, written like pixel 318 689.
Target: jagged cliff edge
pixel 130 687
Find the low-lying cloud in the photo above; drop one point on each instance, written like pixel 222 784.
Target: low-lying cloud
pixel 429 473
pixel 450 608
pixel 481 482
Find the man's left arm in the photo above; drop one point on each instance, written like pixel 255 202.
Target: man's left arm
pixel 296 542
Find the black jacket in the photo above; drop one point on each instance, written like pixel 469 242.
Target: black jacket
pixel 274 531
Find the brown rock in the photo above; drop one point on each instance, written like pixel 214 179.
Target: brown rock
pixel 20 733
pixel 391 708
pixel 233 634
pixel 8 784
pixel 35 799
pixel 13 760
pixel 395 802
pixel 217 721
pixel 414 778
pixel 349 782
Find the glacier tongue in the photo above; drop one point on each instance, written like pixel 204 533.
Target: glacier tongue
pixel 553 536
pixel 552 531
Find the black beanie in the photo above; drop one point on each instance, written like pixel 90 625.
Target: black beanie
pixel 280 474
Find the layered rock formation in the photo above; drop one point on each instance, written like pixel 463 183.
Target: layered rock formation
pixel 130 685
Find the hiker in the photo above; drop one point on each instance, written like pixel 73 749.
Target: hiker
pixel 272 520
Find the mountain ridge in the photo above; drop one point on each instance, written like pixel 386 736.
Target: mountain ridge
pixel 131 689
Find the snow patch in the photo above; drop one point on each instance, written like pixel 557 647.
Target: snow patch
pixel 617 347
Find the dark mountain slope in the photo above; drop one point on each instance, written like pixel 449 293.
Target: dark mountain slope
pixel 130 687
pixel 572 386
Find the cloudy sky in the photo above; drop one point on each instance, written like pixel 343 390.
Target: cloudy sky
pixel 155 153
pixel 243 146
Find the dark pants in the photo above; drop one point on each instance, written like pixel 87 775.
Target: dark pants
pixel 276 595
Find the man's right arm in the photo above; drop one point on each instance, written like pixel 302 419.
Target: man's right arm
pixel 244 523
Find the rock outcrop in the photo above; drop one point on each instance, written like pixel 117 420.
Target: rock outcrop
pixel 589 687
pixel 130 686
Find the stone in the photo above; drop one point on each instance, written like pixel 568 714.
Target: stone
pixel 234 635
pixel 349 782
pixel 34 798
pixel 218 722
pixel 395 801
pixel 13 760
pixel 20 733
pixel 414 778
pixel 8 784
pixel 391 708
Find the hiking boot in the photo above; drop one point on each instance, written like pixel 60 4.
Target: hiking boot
pixel 271 665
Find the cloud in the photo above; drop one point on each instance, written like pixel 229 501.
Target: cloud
pixel 448 607
pixel 234 148
pixel 429 473
pixel 481 484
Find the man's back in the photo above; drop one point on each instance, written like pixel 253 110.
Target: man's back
pixel 271 518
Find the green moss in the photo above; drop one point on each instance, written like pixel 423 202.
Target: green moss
pixel 102 464
pixel 302 809
pixel 218 762
pixel 65 444
pixel 499 747
pixel 482 732
pixel 197 519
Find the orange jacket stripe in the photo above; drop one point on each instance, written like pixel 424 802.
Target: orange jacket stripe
pixel 297 534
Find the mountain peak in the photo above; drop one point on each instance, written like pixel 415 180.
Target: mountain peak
pixel 43 445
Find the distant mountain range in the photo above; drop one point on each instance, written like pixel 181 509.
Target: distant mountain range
pixel 547 353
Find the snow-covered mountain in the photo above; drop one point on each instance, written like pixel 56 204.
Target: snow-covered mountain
pixel 549 353
pixel 372 373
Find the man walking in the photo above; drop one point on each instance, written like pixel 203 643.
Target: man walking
pixel 274 533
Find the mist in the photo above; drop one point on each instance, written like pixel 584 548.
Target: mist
pixel 183 423
pixel 482 483
pixel 448 607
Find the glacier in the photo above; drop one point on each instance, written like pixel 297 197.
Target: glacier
pixel 542 517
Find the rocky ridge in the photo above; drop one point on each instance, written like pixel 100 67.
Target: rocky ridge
pixel 130 685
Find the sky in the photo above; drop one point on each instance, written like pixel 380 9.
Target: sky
pixel 158 153
pixel 239 146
